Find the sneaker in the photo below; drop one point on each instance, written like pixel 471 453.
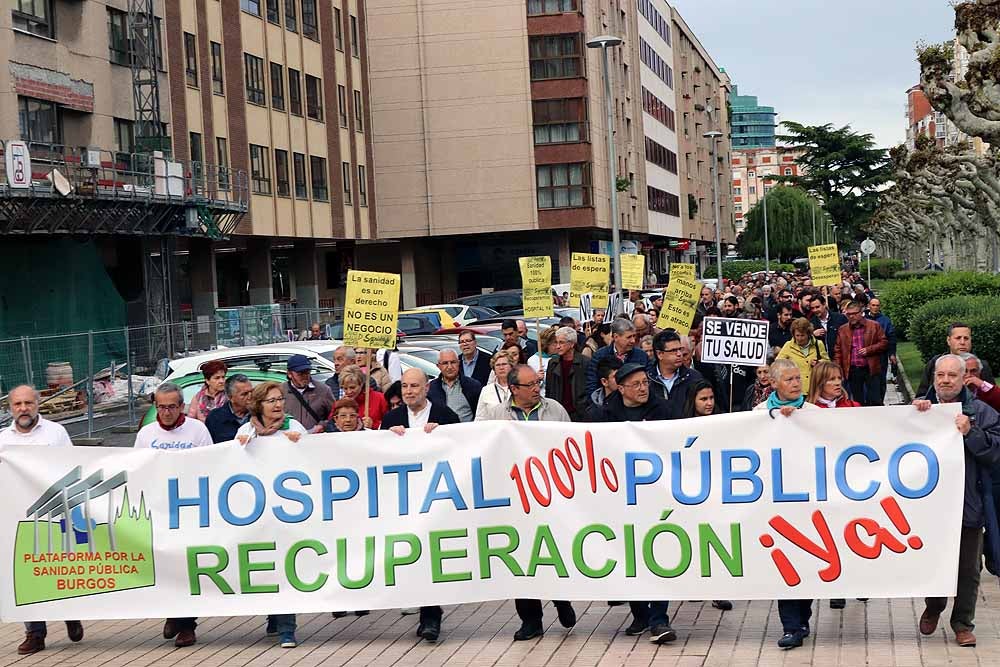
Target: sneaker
pixel 288 640
pixel 338 614
pixel 363 612
pixel 637 627
pixel 790 640
pixel 662 633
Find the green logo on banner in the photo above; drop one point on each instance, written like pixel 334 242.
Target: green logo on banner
pixel 62 552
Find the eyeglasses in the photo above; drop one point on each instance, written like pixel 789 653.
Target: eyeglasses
pixel 528 385
pixel 636 385
pixel 272 401
pixel 674 350
pixel 168 408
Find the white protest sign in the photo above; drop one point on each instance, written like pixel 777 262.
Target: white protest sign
pixel 586 307
pixel 733 341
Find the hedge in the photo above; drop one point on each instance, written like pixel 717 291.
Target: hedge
pixel 913 274
pixel 929 325
pixel 881 268
pixel 901 297
pixel 735 268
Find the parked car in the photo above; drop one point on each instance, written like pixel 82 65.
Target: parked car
pixel 408 325
pixel 461 313
pixel 498 301
pixel 262 357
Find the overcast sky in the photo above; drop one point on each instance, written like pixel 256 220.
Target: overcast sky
pixel 846 62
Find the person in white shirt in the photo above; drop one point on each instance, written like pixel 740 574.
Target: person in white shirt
pixel 30 428
pixel 172 429
pixel 495 392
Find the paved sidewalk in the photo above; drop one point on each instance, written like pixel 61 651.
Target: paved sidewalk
pixel 877 633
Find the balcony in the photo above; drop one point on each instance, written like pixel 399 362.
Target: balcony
pixel 96 191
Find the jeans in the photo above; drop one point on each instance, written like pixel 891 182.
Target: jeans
pixel 864 386
pixel 970 564
pixel 530 611
pixel 185 623
pixel 654 613
pixel 40 627
pixel 794 614
pixel 283 623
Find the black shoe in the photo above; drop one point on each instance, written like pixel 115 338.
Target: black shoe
pixel 615 603
pixel 363 612
pixel 528 631
pixel 338 614
pixel 638 627
pixel 861 599
pixel 170 628
pixel 661 634
pixel 74 630
pixel 430 630
pixel 804 631
pixel 567 615
pixel 724 605
pixel 790 640
pixel 838 603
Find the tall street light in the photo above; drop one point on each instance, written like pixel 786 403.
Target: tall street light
pixel 714 136
pixel 603 42
pixel 767 248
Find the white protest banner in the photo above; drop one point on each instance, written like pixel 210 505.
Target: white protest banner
pixel 738 506
pixel 586 309
pixel 728 340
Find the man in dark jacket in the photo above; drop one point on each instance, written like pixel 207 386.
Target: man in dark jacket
pixel 452 390
pixel 979 425
pixel 634 402
pixel 223 422
pixel 622 346
pixel 566 376
pixel 417 412
pixel 780 331
pixel 606 371
pixel 826 323
pixel 669 378
pixel 959 340
pixel 473 363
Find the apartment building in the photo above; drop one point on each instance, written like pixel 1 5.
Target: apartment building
pixel 490 137
pixel 752 172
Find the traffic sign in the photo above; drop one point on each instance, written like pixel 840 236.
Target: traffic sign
pixel 868 246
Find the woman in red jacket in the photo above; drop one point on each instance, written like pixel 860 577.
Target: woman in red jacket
pixel 352 381
pixel 826 388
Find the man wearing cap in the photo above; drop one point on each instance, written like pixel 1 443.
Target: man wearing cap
pixel 305 401
pixel 634 402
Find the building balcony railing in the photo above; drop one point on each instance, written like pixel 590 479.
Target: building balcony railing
pixel 151 193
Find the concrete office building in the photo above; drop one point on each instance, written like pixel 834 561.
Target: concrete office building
pixel 754 126
pixel 752 170
pixel 490 137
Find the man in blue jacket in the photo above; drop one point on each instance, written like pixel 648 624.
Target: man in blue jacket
pixel 979 425
pixel 453 390
pixel 622 346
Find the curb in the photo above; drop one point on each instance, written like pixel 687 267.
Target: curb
pixel 903 382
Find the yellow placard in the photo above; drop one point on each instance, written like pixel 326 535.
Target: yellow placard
pixel 589 273
pixel 683 287
pixel 824 263
pixel 633 271
pixel 536 286
pixel 537 302
pixel 371 309
pixel 676 315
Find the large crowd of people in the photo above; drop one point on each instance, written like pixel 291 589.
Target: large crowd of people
pixel 830 347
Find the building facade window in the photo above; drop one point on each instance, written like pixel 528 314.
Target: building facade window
pixel 310 24
pixel 661 156
pixel 34 16
pixel 291 19
pixel 555 56
pixel 663 202
pixel 283 188
pixel 659 110
pixel 655 19
pixel 190 60
pixel 362 191
pixel 40 121
pixel 345 168
pixel 543 7
pixel 299 172
pixel 359 115
pixel 563 185
pixel 651 59
pixel 294 92
pixel 355 46
pixel 788 171
pixel 124 136
pixel 559 121
pixel 197 153
pixel 217 84
pixel 342 105
pixel 254 67
pixel 251 6
pixel 338 29
pixel 737 191
pixel 260 169
pixel 277 87
pixel 222 157
pixel 314 97
pixel 118 46
pixel 273 12
pixel 317 174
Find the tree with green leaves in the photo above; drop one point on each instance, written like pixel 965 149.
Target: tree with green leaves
pixel 844 170
pixel 789 225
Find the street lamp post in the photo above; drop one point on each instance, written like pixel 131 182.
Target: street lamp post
pixel 767 249
pixel 603 42
pixel 714 136
pixel 814 222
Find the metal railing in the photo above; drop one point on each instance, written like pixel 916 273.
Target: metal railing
pixel 105 376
